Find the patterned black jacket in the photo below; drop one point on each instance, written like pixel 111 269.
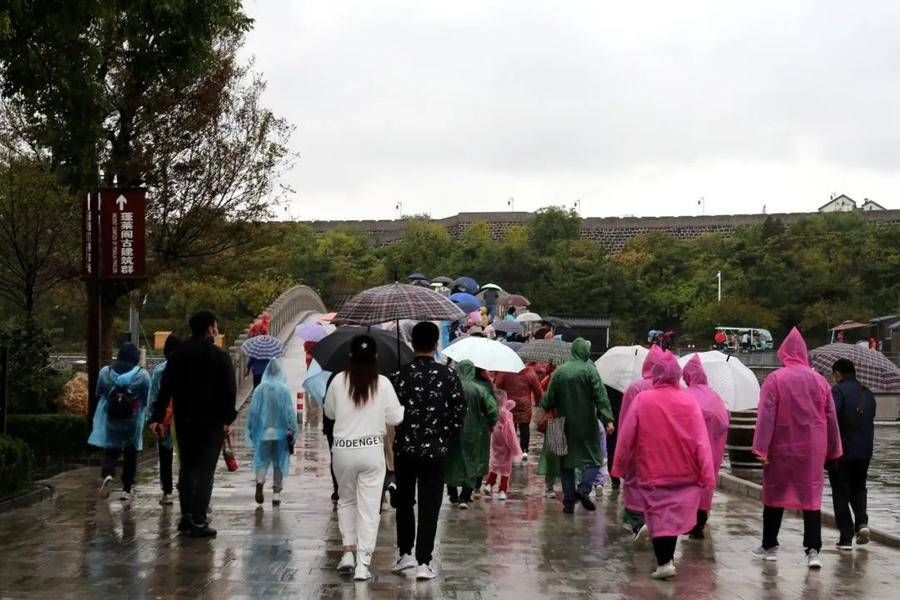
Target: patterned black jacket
pixel 435 407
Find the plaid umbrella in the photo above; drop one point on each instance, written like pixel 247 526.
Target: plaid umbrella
pixel 395 302
pixel 873 369
pixel 546 351
pixel 508 327
pixel 514 300
pixel 263 347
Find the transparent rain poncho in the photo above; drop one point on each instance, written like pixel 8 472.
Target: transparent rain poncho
pixel 272 414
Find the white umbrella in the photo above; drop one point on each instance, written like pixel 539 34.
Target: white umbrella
pixel 485 354
pixel 491 286
pixel 529 317
pixel 620 366
pixel 731 378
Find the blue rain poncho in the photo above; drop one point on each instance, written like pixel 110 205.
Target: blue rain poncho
pixel 316 383
pixel 272 414
pixel 155 381
pixel 120 433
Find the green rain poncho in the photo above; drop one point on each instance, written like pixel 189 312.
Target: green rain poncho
pixel 469 451
pixel 577 393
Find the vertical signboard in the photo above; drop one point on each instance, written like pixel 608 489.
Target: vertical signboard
pixel 122 228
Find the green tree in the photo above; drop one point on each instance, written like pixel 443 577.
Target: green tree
pixel 552 225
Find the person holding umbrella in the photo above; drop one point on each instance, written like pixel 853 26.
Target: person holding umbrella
pixel 796 432
pixel 434 409
pixel 361 403
pixel 855 408
pixel 577 393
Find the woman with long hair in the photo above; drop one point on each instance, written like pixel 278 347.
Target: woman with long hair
pixel 362 403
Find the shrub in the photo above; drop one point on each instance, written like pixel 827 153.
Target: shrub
pixel 16 461
pixel 52 436
pixel 30 380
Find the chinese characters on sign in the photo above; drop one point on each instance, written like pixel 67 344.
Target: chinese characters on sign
pixel 119 218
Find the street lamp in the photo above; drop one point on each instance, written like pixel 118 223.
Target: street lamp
pixel 511 203
pixel 577 206
pixel 719 279
pixel 399 208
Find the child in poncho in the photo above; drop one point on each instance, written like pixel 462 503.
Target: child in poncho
pixel 505 450
pixel 271 426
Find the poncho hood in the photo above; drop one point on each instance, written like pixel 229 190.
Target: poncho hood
pixel 466 371
pixel 274 373
pixel 666 371
pixel 693 372
pixel 509 405
pixel 793 350
pixel 653 357
pixel 581 349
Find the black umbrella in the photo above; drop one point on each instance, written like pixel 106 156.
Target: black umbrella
pixel 333 351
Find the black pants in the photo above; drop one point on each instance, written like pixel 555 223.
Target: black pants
pixel 165 467
pixel 702 517
pixel 848 491
pixel 457 496
pixel 129 465
pixel 812 528
pixel 524 436
pixel 664 549
pixel 199 449
pixel 426 475
pixel 615 401
pixel 328 428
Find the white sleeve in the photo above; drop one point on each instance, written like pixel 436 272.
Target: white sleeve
pixel 393 410
pixel 330 398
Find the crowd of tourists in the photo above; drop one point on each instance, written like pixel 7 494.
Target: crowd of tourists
pixel 459 428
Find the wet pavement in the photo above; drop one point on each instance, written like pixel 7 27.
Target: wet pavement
pixel 76 546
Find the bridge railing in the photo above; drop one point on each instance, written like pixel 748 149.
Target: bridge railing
pixel 285 311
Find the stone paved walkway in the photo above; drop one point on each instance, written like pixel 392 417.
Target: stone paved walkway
pixel 76 546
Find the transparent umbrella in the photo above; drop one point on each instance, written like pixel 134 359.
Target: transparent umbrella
pixel 731 378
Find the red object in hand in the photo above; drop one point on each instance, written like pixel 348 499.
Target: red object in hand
pixel 228 455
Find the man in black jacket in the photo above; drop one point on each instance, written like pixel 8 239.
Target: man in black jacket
pixel 435 408
pixel 199 379
pixel 855 408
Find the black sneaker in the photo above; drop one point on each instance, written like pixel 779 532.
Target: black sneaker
pixel 586 502
pixel 259 497
pixel 184 524
pixel 203 531
pixel 616 483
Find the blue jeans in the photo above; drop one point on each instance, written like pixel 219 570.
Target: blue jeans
pixel 567 476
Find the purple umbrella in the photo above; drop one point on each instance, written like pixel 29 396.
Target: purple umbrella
pixel 310 332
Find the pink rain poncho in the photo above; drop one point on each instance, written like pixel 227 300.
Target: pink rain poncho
pixel 505 448
pixel 715 414
pixel 631 495
pixel 663 440
pixel 796 430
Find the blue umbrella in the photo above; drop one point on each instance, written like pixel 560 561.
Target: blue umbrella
pixel 316 383
pixel 264 347
pixel 465 284
pixel 466 302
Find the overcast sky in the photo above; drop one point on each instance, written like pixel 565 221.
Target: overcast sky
pixel 635 108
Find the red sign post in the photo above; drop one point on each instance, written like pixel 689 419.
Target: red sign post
pixel 113 249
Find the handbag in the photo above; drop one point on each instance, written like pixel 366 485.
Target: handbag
pixel 556 436
pixel 228 455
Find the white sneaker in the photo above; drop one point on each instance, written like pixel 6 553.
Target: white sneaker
pixel 524 457
pixel 663 572
pixel 425 572
pixel 348 562
pixel 486 491
pixel 862 536
pixel 126 497
pixel 403 563
pixel 549 493
pixel 771 554
pixel 276 499
pixel 463 506
pixel 103 492
pixel 812 560
pixel 361 573
pixel 165 500
pixel 641 534
pixel 501 496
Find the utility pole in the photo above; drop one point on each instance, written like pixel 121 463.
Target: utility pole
pixel 577 206
pixel 701 202
pixel 719 279
pixel 511 203
pixel 399 208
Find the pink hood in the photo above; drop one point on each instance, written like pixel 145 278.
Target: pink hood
pixel 651 359
pixel 693 372
pixel 509 405
pixel 793 350
pixel 665 370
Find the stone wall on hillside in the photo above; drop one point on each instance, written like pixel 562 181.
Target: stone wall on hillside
pixel 612 232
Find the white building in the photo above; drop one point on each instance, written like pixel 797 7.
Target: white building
pixel 840 203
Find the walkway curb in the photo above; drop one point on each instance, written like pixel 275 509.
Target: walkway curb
pixel 750 489
pixel 42 492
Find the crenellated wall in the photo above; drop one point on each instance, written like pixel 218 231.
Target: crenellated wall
pixel 611 232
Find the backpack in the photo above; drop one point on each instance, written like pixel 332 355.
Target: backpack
pixel 121 401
